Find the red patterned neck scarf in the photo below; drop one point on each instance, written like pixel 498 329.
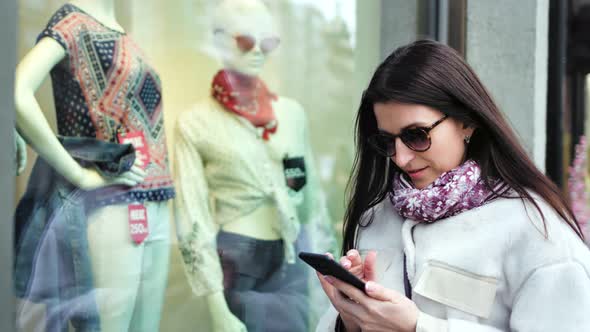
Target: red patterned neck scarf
pixel 248 97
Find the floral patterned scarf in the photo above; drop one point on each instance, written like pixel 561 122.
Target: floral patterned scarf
pixel 453 192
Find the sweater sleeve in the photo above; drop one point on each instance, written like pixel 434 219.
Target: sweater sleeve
pixel 195 227
pixel 58 30
pixel 553 298
pixel 427 323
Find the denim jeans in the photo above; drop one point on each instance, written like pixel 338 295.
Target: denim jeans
pixel 261 289
pixel 52 265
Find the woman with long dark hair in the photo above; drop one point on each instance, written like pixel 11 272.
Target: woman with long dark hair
pixel 449 222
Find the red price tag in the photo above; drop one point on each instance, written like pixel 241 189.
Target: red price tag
pixel 138 226
pixel 137 139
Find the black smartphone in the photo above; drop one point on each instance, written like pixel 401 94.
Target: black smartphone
pixel 327 266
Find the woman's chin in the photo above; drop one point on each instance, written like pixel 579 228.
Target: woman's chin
pixel 422 183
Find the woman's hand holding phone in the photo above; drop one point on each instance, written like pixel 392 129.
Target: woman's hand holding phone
pixel 353 262
pixel 364 270
pixel 377 308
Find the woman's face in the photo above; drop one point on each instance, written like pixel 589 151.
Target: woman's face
pixel 447 149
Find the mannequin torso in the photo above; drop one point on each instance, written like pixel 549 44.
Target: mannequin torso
pixel 104 90
pixel 232 175
pixel 32 124
pixel 261 224
pixel 102 11
pixel 255 165
pixel 231 179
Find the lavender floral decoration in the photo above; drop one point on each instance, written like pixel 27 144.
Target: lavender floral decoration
pixel 579 196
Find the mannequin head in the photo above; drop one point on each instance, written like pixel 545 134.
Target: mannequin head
pixel 244 35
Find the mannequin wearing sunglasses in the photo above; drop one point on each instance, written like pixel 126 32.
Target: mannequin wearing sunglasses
pixel 248 194
pixel 95 103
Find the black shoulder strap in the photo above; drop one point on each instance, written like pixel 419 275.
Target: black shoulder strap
pixel 407 285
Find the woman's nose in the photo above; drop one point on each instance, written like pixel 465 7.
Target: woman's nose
pixel 403 154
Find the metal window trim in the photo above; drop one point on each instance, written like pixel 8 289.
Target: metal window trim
pixel 8 35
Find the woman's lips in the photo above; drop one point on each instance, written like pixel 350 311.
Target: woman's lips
pixel 414 174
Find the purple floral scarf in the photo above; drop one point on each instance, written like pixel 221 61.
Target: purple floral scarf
pixel 453 192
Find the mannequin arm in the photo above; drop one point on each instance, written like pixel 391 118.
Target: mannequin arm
pixel 195 226
pixel 222 318
pixel 33 126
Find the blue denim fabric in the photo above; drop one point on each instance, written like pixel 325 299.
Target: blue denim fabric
pixel 52 264
pixel 261 289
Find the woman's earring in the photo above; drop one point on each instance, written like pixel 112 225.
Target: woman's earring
pixel 467 139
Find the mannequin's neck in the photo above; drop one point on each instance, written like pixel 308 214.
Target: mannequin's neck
pixel 240 74
pixel 101 10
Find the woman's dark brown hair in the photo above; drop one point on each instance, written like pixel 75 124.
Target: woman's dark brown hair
pixel 433 74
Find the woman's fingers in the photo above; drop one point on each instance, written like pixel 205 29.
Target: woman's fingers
pixel 353 262
pixel 326 286
pixel 370 266
pixel 357 271
pixel 378 292
pixel 345 262
pixel 348 290
pixel 343 303
pixel 354 256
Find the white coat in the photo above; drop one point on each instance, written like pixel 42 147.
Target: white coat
pixel 488 269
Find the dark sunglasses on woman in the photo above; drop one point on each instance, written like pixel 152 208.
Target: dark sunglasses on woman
pixel 247 42
pixel 416 139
